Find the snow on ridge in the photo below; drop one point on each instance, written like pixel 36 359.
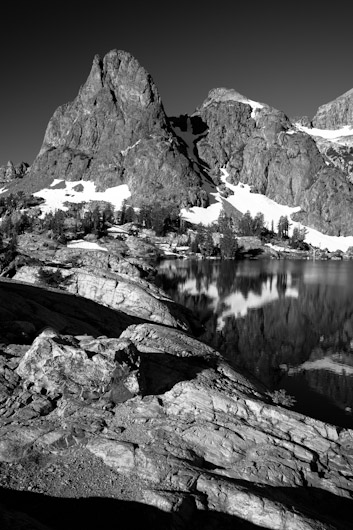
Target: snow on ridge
pixel 232 95
pixel 328 134
pixel 243 200
pixel 56 197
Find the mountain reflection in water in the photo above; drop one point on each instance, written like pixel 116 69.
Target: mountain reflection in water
pixel 290 323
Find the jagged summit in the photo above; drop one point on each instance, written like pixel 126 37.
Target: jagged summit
pixel 116 132
pixel 336 113
pixel 119 103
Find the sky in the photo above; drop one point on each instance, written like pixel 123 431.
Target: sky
pixel 290 55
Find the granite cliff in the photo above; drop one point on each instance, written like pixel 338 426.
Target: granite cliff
pixel 259 146
pixel 116 132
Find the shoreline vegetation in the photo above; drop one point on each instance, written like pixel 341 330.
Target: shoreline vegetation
pixel 89 225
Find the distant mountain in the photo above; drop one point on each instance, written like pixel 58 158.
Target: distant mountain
pixel 116 132
pixel 336 113
pixel 9 172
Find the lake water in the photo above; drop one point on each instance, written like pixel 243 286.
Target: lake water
pixel 289 323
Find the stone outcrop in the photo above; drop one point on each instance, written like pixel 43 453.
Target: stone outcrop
pixel 335 114
pixel 25 310
pixel 204 442
pixel 9 172
pixel 116 132
pixel 134 297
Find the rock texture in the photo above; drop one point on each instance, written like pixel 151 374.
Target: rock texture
pixel 131 296
pixel 335 114
pixel 204 443
pixel 116 132
pixel 159 419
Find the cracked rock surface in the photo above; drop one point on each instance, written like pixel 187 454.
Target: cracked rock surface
pixel 169 431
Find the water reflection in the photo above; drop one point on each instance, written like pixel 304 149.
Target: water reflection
pixel 290 323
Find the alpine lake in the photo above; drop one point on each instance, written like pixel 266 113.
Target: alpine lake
pixel 289 323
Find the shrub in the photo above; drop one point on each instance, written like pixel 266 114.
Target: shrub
pixel 280 397
pixel 51 278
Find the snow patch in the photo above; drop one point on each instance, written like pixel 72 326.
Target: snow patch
pixel 334 135
pixel 205 216
pixel 87 245
pixel 56 182
pixel 221 95
pixel 55 198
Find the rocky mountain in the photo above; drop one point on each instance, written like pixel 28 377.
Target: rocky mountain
pixel 116 132
pixel 335 114
pixel 259 146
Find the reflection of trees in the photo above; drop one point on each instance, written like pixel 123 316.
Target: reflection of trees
pixel 281 284
pixel 285 331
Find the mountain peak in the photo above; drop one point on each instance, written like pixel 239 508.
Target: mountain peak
pixel 122 74
pixel 218 95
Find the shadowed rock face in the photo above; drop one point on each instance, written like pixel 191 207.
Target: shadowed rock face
pixel 336 113
pixel 116 132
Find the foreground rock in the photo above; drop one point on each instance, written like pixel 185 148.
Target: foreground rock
pixel 133 297
pixel 203 442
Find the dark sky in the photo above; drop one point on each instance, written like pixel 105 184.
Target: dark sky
pixel 290 55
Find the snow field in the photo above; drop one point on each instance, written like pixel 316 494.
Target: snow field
pixel 56 197
pixel 243 200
